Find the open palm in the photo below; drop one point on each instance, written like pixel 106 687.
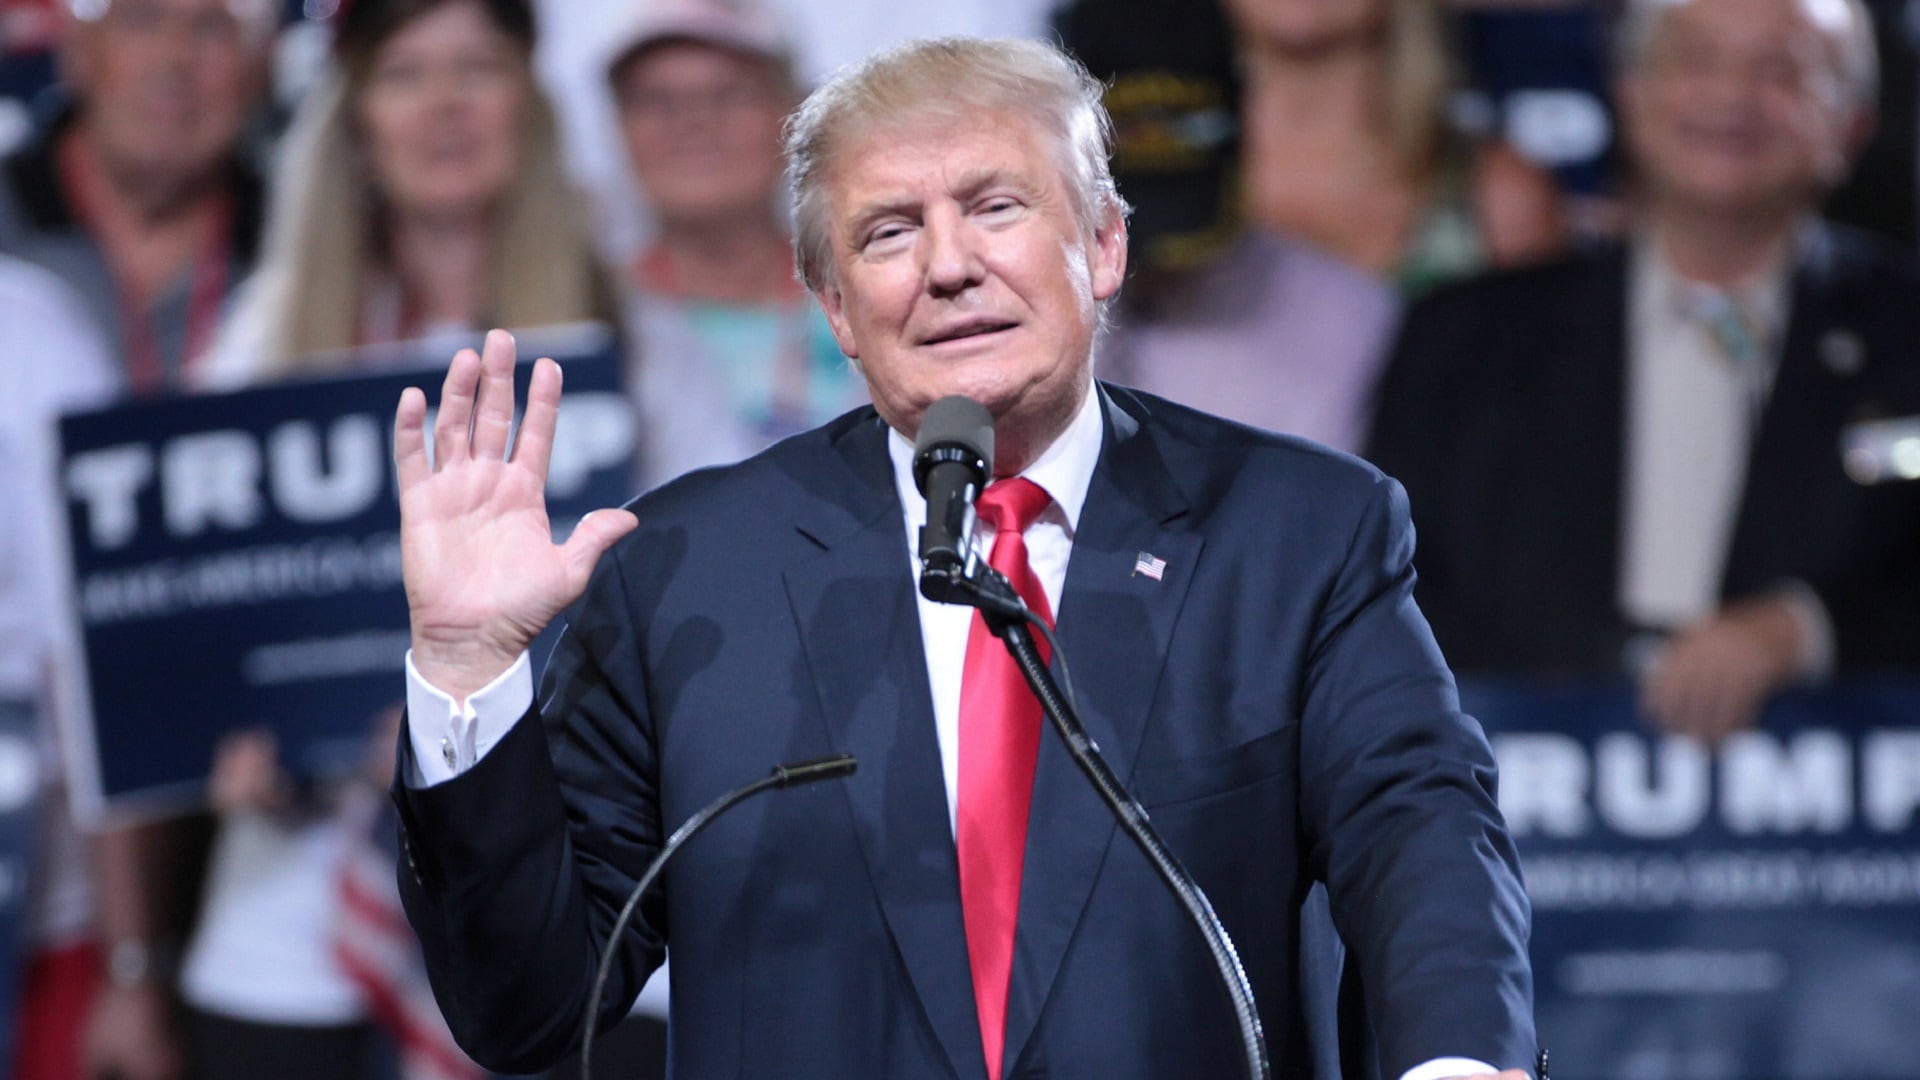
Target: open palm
pixel 483 575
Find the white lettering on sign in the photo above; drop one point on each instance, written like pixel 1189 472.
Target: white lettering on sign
pixel 210 478
pixel 1769 787
pixel 306 490
pixel 108 481
pixel 594 431
pixel 1544 783
pixel 308 471
pixel 1660 787
pixel 1890 777
pixel 1649 795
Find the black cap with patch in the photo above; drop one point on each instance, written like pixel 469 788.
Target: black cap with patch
pixel 1173 91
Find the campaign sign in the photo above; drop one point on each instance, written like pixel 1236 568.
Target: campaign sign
pixel 1746 911
pixel 236 563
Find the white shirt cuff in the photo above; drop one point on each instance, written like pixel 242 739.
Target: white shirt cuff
pixel 449 738
pixel 1445 1068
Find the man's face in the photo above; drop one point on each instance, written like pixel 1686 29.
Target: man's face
pixel 960 267
pixel 167 84
pixel 1739 106
pixel 702 128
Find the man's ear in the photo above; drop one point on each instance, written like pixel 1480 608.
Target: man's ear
pixel 1107 267
pixel 832 303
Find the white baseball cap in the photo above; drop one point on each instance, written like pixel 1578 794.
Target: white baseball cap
pixel 745 26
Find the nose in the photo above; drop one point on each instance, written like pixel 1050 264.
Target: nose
pixel 952 253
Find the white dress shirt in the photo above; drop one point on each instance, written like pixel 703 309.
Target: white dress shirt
pixel 1064 470
pixel 1693 407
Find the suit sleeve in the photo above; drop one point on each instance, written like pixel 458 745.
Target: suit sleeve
pixel 515 870
pixel 1398 794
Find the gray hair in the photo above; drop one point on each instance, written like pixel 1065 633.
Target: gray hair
pixel 948 79
pixel 1845 24
pixel 257 16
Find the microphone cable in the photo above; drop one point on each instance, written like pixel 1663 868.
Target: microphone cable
pixel 782 776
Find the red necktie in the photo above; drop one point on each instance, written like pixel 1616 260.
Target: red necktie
pixel 999 739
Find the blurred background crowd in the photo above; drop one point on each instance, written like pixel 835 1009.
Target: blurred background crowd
pixel 1604 284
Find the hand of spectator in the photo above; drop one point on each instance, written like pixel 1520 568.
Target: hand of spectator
pixel 483 574
pixel 129 1036
pixel 1714 676
pixel 246 775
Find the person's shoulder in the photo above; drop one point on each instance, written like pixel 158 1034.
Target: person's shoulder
pixel 1218 461
pixel 1862 260
pixel 1317 278
pixel 25 285
pixel 1570 274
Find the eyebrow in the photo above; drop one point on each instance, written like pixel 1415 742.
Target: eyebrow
pixel 968 186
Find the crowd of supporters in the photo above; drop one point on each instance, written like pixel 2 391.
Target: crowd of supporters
pixel 1595 313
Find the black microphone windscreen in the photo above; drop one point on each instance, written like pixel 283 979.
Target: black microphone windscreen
pixel 954 421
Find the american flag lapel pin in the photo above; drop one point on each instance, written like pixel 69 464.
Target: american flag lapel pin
pixel 1150 565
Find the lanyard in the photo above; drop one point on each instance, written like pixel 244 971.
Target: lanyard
pixel 212 270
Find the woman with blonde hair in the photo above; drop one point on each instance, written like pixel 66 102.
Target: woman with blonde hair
pixel 422 191
pixel 1347 144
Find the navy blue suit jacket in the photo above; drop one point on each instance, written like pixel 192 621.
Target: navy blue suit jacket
pixel 1275 699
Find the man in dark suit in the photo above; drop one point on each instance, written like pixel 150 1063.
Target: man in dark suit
pixel 1632 457
pixel 1236 606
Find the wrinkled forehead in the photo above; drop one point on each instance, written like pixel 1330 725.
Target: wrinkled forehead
pixel 931 152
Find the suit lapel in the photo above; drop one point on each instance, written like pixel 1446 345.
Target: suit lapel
pixel 860 628
pixel 1821 353
pixel 1114 627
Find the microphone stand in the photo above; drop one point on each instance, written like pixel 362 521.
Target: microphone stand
pixel 1008 617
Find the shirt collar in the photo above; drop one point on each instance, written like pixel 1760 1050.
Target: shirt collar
pixel 1762 298
pixel 1064 469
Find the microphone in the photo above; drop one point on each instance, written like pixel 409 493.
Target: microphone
pixel 792 774
pixel 952 461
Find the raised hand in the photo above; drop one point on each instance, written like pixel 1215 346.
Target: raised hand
pixel 482 572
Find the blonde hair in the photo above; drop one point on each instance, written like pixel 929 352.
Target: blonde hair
pixel 321 256
pixel 951 79
pixel 1420 83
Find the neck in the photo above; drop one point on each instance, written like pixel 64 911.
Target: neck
pixel 745 259
pixel 1018 443
pixel 442 266
pixel 1312 93
pixel 141 197
pixel 1727 249
pixel 150 226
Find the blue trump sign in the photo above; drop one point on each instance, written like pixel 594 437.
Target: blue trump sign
pixel 236 563
pixel 1746 911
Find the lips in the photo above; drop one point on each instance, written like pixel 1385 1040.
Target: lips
pixel 978 326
